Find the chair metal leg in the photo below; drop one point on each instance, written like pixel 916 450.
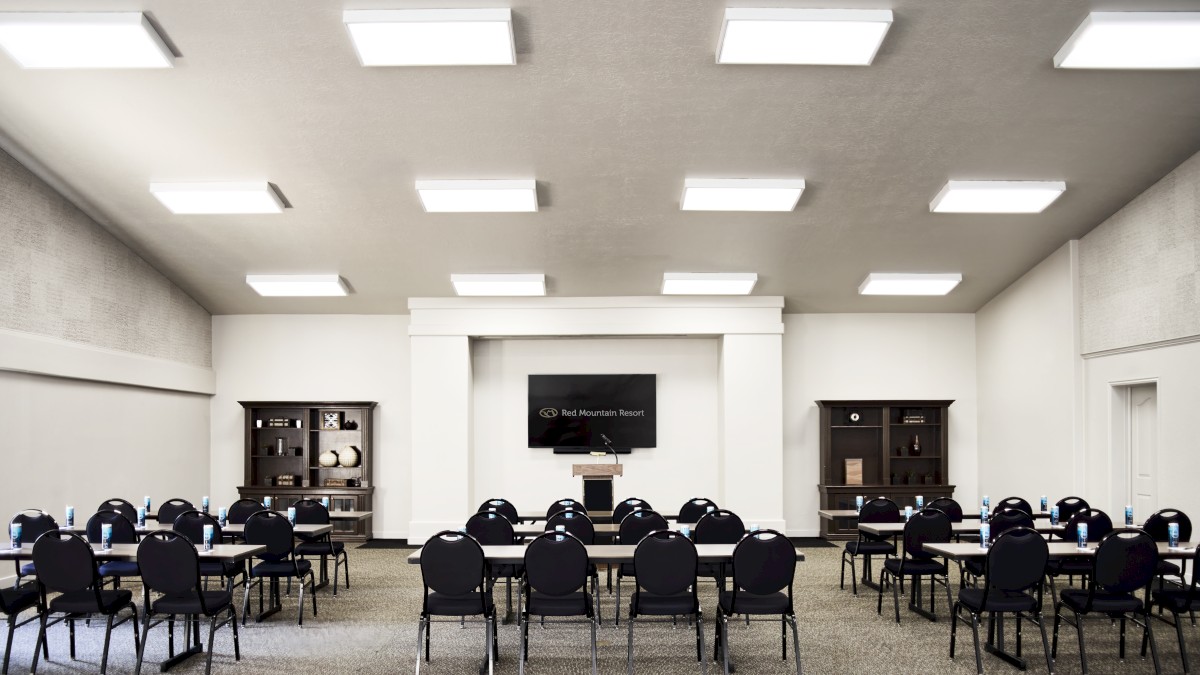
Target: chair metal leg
pixel 723 622
pixel 212 629
pixel 237 649
pixel 1057 621
pixel 896 596
pixel 12 627
pixel 141 652
pixel 41 640
pixel 300 614
pixel 1041 624
pixel 595 621
pixel 1153 646
pixel 523 640
pixel 954 610
pixel 795 642
pixel 975 637
pixel 420 629
pixel 489 626
pixel 1121 651
pixel 107 639
pixel 312 586
pixel 629 641
pixel 617 610
pixel 1082 653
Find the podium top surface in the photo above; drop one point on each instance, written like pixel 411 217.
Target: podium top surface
pixel 597 470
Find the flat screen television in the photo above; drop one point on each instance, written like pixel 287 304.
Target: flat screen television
pixel 574 413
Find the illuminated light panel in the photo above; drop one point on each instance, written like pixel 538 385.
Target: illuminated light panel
pixel 740 194
pixel 499 284
pixel 432 37
pixel 996 196
pixel 1133 40
pixel 297 285
pixel 882 283
pixel 218 198
pixel 708 283
pixel 83 40
pixel 478 196
pixel 848 37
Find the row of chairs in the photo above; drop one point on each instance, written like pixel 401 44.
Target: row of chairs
pixel 690 512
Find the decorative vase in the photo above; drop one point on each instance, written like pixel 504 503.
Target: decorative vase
pixel 329 458
pixel 348 457
pixel 280 446
pixel 915 448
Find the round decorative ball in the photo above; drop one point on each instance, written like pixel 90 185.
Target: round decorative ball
pixel 328 458
pixel 348 456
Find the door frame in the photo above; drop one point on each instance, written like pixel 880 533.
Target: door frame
pixel 1121 443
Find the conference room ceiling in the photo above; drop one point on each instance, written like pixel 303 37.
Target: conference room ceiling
pixel 610 106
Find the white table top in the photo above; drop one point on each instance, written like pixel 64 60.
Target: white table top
pixel 309 530
pixel 830 514
pixel 600 553
pixel 223 552
pixel 1058 549
pixel 965 527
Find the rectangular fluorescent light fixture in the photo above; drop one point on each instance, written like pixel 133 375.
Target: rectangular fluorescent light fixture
pixel 499 284
pixel 996 196
pixel 210 198
pixel 297 285
pixel 740 194
pixel 882 283
pixel 478 196
pixel 832 37
pixel 1133 40
pixel 708 283
pixel 432 37
pixel 83 40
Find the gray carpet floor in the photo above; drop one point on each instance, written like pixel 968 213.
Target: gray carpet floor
pixel 372 629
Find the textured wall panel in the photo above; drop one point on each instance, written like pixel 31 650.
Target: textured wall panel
pixel 1140 269
pixel 64 276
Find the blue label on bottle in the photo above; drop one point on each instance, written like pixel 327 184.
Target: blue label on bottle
pixel 1173 535
pixel 14 535
pixel 1128 514
pixel 1054 515
pixel 1081 535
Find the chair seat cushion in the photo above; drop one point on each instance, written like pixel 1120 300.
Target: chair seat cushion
pixel 914 567
pixel 1076 599
pixel 319 548
pixel 467 604
pixel 505 571
pixel 1174 600
pixel 997 601
pixel 120 568
pixel 16 600
pixel 662 605
pixel 974 567
pixel 712 570
pixel 283 568
pixel 1168 569
pixel 1069 567
pixel 752 603
pixel 214 601
pixel 216 568
pixel 27 570
pixel 84 602
pixel 871 547
pixel 625 570
pixel 571 604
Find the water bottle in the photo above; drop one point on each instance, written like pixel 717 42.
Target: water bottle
pixel 106 536
pixel 710 509
pixel 985 535
pixel 920 502
pixel 146 502
pixel 983 515
pixel 685 531
pixel 292 515
pixel 858 502
pixel 208 536
pixel 267 503
pixel 1081 536
pixel 222 517
pixel 907 513
pixel 987 502
pixel 1172 535
pixel 1044 503
pixel 70 517
pixel 560 528
pixel 204 504
pixel 1054 515
pixel 325 503
pixel 754 528
pixel 14 535
pixel 141 519
pixel 1128 515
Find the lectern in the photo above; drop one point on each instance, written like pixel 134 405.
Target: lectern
pixel 597 485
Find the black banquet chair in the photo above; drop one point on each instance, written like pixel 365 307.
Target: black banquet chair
pixel 13 601
pixel 664 564
pixel 695 508
pixel 455 578
pixel 1069 506
pixel 1177 599
pixel 1124 563
pixel 1099 525
pixel 169 510
pixel 628 506
pixel 1008 519
pixel 949 507
pixel 491 528
pixel 34 523
pixel 1157 527
pixel 171 566
pixel 581 527
pixel 555 584
pixel 929 526
pixel 634 526
pixel 565 505
pixel 720 526
pixel 66 566
pixel 191 524
pixel 1014 566
pixel 1013 503
pixel 241 510
pixel 501 506
pixel 881 510
pixel 123 532
pixel 313 512
pixel 121 506
pixel 279 561
pixel 764 567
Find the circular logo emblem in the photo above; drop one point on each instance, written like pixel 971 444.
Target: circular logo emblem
pixel 548 412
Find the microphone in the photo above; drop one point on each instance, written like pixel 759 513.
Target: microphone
pixel 606 439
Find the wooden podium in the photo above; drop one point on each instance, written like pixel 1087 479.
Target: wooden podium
pixel 597 485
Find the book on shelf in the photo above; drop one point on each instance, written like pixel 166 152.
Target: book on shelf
pixel 913 419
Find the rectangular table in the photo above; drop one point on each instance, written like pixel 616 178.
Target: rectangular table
pixel 604 554
pixel 897 529
pixel 831 514
pixel 221 552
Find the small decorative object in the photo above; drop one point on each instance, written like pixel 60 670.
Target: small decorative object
pixel 915 448
pixel 334 482
pixel 331 420
pixel 900 450
pixel 929 479
pixel 350 425
pixel 910 478
pixel 895 479
pixel 286 480
pixel 854 471
pixel 280 445
pixel 348 457
pixel 853 417
pixel 328 459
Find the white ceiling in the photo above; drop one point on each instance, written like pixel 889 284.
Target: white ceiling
pixel 610 106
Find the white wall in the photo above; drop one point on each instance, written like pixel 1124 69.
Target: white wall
pixel 873 356
pixel 1030 406
pixel 684 464
pixel 316 357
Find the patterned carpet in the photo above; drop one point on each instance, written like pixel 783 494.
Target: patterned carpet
pixel 372 629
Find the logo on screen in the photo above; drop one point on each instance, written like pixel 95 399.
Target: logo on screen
pixel 548 412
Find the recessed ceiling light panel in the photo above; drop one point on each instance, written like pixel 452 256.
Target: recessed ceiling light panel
pixel 848 37
pixel 708 283
pixel 297 285
pixel 432 37
pixel 996 196
pixel 478 196
pixel 83 40
pixel 740 194
pixel 499 284
pixel 882 283
pixel 1133 40
pixel 214 198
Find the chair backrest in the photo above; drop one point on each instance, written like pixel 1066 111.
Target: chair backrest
pixel 1098 524
pixel 123 531
pixel 628 506
pixel 169 563
pixel 1125 561
pixel 879 510
pixel 719 527
pixel 64 562
pixel 1156 525
pixel 695 508
pixel 1016 561
pixel 1069 506
pixel 169 510
pixel 564 504
pixel 928 526
pixel 764 562
pixel 453 563
pixel 575 522
pixel 121 506
pixel 491 528
pixel 638 524
pixel 556 563
pixel 34 523
pixel 1008 519
pixel 665 563
pixel 190 524
pixel 241 510
pixel 1014 503
pixel 949 507
pixel 270 529
pixel 311 512
pixel 503 507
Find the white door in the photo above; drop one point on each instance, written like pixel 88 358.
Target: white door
pixel 1143 450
